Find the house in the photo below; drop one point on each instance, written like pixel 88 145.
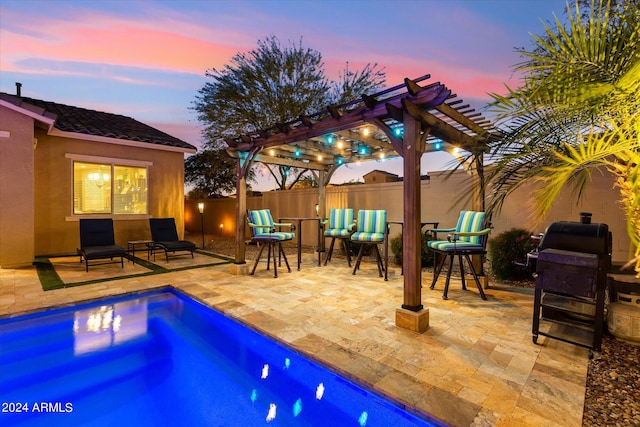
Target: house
pixel 60 163
pixel 377 176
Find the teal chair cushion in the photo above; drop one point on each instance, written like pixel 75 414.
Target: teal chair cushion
pixel 371 226
pixel 263 227
pixel 468 222
pixel 341 223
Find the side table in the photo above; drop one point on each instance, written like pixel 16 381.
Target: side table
pixel 131 247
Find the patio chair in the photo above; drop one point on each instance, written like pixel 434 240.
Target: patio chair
pixel 341 226
pixel 469 237
pixel 371 229
pixel 165 237
pixel 263 231
pixel 97 241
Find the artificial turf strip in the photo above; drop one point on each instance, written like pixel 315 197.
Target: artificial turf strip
pixel 50 280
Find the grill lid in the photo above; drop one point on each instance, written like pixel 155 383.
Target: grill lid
pixel 577 237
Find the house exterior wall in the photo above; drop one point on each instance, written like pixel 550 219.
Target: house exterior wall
pixel 442 198
pixel 57 229
pixel 16 189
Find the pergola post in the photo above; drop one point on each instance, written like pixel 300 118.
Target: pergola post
pixel 322 203
pixel 239 265
pixel 412 315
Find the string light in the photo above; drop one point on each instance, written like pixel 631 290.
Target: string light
pixel 330 139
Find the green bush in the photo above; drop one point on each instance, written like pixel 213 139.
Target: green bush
pixel 426 254
pixel 507 249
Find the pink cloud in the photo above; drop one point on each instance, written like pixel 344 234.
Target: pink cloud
pixel 115 41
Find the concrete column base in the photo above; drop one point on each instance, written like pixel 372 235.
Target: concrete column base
pixel 417 321
pixel 239 269
pixel 484 281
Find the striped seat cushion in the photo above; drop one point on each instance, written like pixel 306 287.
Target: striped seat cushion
pixel 371 226
pixel 446 246
pixel 470 221
pixel 278 236
pixel 263 217
pixel 340 223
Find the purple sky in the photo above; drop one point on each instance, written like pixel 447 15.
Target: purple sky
pixel 147 59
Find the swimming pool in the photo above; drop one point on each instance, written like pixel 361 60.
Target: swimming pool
pixel 162 358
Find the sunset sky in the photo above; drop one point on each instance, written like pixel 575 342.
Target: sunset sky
pixel 147 59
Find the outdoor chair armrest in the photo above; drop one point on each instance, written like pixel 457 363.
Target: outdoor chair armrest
pixel 454 236
pixel 271 229
pixel 442 230
pixel 284 224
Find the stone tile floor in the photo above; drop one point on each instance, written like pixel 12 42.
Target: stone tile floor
pixel 475 366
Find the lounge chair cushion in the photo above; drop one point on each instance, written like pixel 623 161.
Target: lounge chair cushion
pixel 99 252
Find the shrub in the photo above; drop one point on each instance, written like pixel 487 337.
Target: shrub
pixel 507 249
pixel 426 255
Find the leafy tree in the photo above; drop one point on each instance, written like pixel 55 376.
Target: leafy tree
pixel 273 84
pixel 212 173
pixel 577 111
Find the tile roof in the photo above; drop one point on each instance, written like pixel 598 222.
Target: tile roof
pixel 91 122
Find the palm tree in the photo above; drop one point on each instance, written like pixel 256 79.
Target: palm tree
pixel 577 111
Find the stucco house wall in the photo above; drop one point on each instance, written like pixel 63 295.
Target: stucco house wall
pixel 56 226
pixel 16 188
pixel 39 141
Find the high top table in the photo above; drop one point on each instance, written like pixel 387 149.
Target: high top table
pixel 298 222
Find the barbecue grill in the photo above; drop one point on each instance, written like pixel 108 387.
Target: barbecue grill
pixel 571 275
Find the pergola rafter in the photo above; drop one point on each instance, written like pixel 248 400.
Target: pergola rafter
pixel 406 120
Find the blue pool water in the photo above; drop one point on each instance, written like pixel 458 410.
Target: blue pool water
pixel 163 359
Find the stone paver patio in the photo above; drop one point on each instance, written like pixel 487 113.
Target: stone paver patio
pixel 475 365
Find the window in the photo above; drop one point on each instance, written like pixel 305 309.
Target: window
pixel 100 188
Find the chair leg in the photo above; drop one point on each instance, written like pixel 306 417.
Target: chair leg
pixel 346 251
pixel 446 284
pixel 122 262
pixel 475 277
pixel 379 260
pixel 357 263
pixel 328 258
pixel 275 267
pixel 284 256
pixel 437 270
pixel 257 259
pixel 269 256
pixel 464 283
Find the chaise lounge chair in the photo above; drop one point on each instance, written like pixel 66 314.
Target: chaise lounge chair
pixel 165 237
pixel 97 241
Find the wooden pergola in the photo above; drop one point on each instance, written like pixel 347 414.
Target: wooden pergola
pixel 407 120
